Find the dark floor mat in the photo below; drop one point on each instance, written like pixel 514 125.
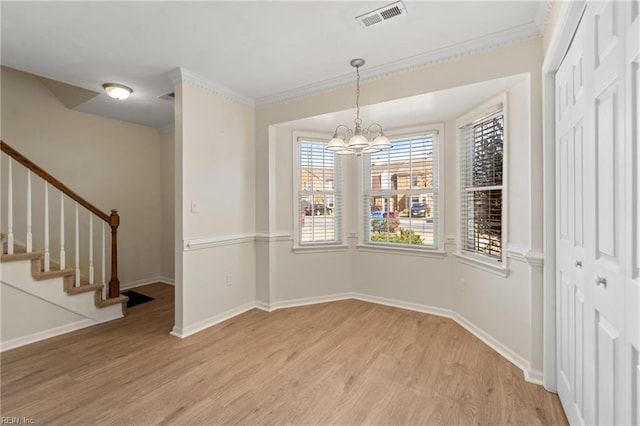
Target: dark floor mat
pixel 136 298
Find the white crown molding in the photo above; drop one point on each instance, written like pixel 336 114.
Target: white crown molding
pixel 182 75
pixel 445 54
pixel 542 14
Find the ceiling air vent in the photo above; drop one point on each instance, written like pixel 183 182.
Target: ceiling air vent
pixel 168 97
pixel 383 14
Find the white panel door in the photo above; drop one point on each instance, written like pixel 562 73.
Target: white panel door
pixel 632 291
pixel 598 218
pixel 608 256
pixel 571 172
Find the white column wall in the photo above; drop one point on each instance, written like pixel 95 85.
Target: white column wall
pixel 215 208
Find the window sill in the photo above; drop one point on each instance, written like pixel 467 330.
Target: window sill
pixel 320 248
pixel 389 249
pixel 483 265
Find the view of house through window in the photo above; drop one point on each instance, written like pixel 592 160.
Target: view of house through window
pixel 318 194
pixel 481 166
pixel 401 193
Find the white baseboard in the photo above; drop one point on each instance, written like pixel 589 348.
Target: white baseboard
pixel 183 332
pixel 447 313
pixel 307 301
pixel 46 334
pixel 145 281
pixel 532 376
pixel 264 306
pixel 497 346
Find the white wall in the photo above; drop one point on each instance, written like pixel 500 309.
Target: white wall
pixel 215 170
pixel 506 312
pixel 111 163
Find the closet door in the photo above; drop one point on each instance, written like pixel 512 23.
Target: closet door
pixel 632 132
pixel 598 218
pixel 571 240
pixel 608 257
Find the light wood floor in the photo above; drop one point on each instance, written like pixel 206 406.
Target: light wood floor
pixel 347 362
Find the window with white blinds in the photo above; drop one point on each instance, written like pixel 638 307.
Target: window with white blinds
pixel 481 185
pixel 319 194
pixel 401 200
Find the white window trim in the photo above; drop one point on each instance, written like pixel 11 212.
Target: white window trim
pixel 438 251
pixel 321 246
pixel 477 260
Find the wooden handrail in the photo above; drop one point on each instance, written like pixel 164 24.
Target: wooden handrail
pixel 53 181
pixel 112 219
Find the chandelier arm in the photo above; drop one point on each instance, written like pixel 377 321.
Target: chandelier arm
pixel 375 124
pixel 338 127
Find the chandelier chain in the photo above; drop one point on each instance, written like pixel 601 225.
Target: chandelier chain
pixel 357 120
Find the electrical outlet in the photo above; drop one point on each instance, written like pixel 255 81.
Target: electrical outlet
pixel 195 206
pixel 229 280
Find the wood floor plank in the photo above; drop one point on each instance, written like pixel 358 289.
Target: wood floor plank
pixel 346 362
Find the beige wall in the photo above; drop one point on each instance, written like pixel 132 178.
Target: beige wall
pixel 113 164
pixel 167 195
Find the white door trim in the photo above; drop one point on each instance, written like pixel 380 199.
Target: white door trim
pixel 568 20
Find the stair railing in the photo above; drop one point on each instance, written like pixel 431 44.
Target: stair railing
pixel 112 220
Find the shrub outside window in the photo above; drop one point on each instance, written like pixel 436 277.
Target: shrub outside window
pixel 401 199
pixel 481 186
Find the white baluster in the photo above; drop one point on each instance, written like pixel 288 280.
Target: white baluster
pixel 90 248
pixel 102 272
pixel 10 209
pixel 63 254
pixel 47 256
pixel 29 233
pixel 77 271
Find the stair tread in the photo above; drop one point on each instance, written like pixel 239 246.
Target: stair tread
pixel 19 256
pixel 112 301
pixel 83 288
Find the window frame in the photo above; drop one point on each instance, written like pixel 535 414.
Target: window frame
pixel 492 107
pixel 339 244
pixel 437 251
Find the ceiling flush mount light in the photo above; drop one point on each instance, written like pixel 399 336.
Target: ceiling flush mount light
pixel 117 91
pixel 360 141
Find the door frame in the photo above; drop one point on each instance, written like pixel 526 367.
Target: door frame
pixel 567 23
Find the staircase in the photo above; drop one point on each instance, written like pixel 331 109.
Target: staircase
pixel 40 296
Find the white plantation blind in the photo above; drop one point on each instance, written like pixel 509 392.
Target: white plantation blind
pixel 319 193
pixel 481 185
pixel 401 193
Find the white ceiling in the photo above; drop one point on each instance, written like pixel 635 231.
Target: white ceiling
pixel 267 51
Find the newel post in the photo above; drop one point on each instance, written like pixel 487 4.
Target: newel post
pixel 114 283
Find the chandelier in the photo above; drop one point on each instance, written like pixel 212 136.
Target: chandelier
pixel 361 141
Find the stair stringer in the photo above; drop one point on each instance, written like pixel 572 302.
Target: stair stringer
pixel 17 274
